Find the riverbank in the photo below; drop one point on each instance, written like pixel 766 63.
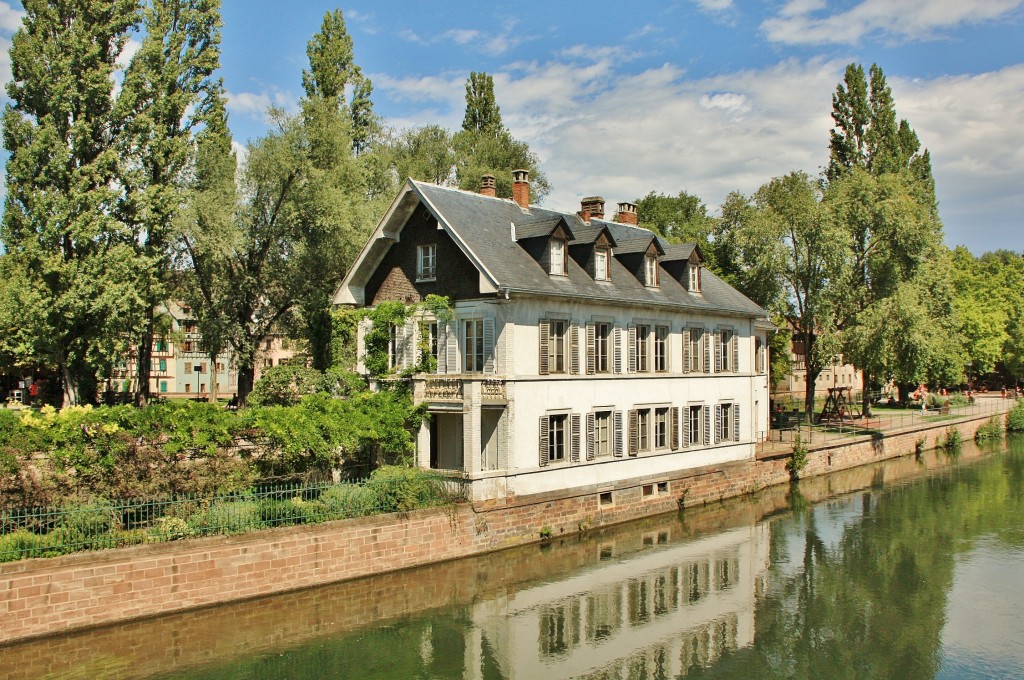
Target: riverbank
pixel 48 596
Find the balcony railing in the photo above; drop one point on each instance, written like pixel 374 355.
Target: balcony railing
pixel 443 389
pixel 492 390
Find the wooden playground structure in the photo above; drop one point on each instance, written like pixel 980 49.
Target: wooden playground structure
pixel 839 406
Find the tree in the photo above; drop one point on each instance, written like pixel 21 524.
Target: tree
pixel 482 112
pixel 786 240
pixel 679 219
pixel 333 73
pixel 169 92
pixel 59 223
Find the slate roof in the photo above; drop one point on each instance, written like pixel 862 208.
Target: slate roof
pixel 481 225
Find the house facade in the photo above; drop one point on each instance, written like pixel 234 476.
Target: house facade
pixel 581 353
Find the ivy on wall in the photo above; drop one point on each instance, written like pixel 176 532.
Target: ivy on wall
pixel 391 314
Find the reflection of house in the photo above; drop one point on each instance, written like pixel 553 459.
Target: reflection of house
pixel 583 352
pixel 654 613
pixel 835 374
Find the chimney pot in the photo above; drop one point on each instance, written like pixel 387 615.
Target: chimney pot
pixel 627 214
pixel 521 188
pixel 488 186
pixel 592 206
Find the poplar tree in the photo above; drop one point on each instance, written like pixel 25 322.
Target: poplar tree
pixel 482 112
pixel 59 225
pixel 169 93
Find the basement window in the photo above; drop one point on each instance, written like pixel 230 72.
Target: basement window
pixel 606 498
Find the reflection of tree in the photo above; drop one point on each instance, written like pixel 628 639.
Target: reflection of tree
pixel 873 605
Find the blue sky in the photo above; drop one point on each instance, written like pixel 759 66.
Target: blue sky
pixel 706 96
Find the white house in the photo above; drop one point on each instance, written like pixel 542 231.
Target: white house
pixel 583 352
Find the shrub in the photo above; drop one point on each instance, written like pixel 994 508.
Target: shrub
pixel 227 517
pixel 396 488
pixel 991 429
pixel 957 399
pixel 347 500
pixel 168 529
pixel 286 385
pixel 89 520
pixel 1015 417
pixel 952 440
pixel 19 545
pixel 799 459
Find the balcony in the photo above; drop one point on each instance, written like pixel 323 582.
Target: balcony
pixel 493 391
pixel 457 389
pixel 443 389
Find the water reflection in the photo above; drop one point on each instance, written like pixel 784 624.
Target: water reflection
pixel 884 571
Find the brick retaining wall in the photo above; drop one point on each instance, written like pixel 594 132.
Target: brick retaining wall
pixel 47 596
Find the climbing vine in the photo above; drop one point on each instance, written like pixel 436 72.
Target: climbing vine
pixel 388 315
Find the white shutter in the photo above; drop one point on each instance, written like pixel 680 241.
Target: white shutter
pixel 543 441
pixel 442 344
pixel 631 349
pixel 686 350
pixel 489 346
pixel 707 425
pixel 734 344
pixel 718 423
pixel 545 331
pixel 675 428
pixel 706 340
pixel 735 422
pixel 574 444
pixel 686 427
pixel 409 344
pixel 617 349
pixel 574 348
pixel 451 349
pixel 617 423
pixel 634 432
pixel 591 349
pixel 590 436
pixel 716 339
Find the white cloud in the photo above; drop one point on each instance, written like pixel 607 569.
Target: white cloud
pixel 254 105
pixel 807 22
pixel 10 18
pixel 714 5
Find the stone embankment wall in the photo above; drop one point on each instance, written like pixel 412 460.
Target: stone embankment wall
pixel 47 596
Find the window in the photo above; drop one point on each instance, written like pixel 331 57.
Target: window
pixel 557 256
pixel 695 426
pixel 190 346
pixel 693 350
pixel 188 387
pixel 693 278
pixel 603 433
pixel 661 348
pixel 473 360
pixel 220 366
pixel 651 271
pixel 556 345
pixel 163 385
pixel 163 365
pixel 559 438
pixel 759 358
pixel 601 264
pixel 428 342
pixel 727 423
pixel 188 366
pixel 602 347
pixel 202 367
pixel 426 262
pixel 725 352
pixel 643 362
pixel 661 428
pixel 643 431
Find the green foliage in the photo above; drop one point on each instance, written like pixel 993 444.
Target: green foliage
pixel 991 429
pixel 397 488
pixel 953 440
pixel 384 318
pixel 920 446
pixel 285 385
pixel 1015 417
pixel 798 461
pixel 227 517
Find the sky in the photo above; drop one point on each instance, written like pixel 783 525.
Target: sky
pixel 703 96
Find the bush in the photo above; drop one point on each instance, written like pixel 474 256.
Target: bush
pixel 952 440
pixel 347 500
pixel 1015 417
pixel 227 517
pixel 21 544
pixel 396 488
pixel 958 399
pixel 992 429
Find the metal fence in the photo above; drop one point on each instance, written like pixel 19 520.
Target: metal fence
pixel 100 524
pixel 883 419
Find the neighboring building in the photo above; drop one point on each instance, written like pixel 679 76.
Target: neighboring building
pixel 583 352
pixel 275 350
pixel 835 374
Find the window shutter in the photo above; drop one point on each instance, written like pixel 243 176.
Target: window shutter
pixel 590 436
pixel 631 349
pixel 574 348
pixel 617 349
pixel 634 432
pixel 716 336
pixel 686 350
pixel 675 429
pixel 544 340
pixel 686 428
pixel 591 349
pixel 718 422
pixel 734 343
pixel 706 340
pixel 409 344
pixel 489 346
pixel 451 347
pixel 735 422
pixel 574 450
pixel 618 433
pixel 707 425
pixel 543 441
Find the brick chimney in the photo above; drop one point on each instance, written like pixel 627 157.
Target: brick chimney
pixel 487 186
pixel 627 214
pixel 592 206
pixel 521 188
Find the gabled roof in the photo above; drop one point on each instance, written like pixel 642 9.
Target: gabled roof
pixel 544 226
pixel 481 226
pixel 681 251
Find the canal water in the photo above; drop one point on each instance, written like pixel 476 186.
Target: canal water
pixel 906 569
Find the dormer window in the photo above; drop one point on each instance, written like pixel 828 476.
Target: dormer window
pixel 556 253
pixel 426 262
pixel 651 271
pixel 601 264
pixel 693 277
